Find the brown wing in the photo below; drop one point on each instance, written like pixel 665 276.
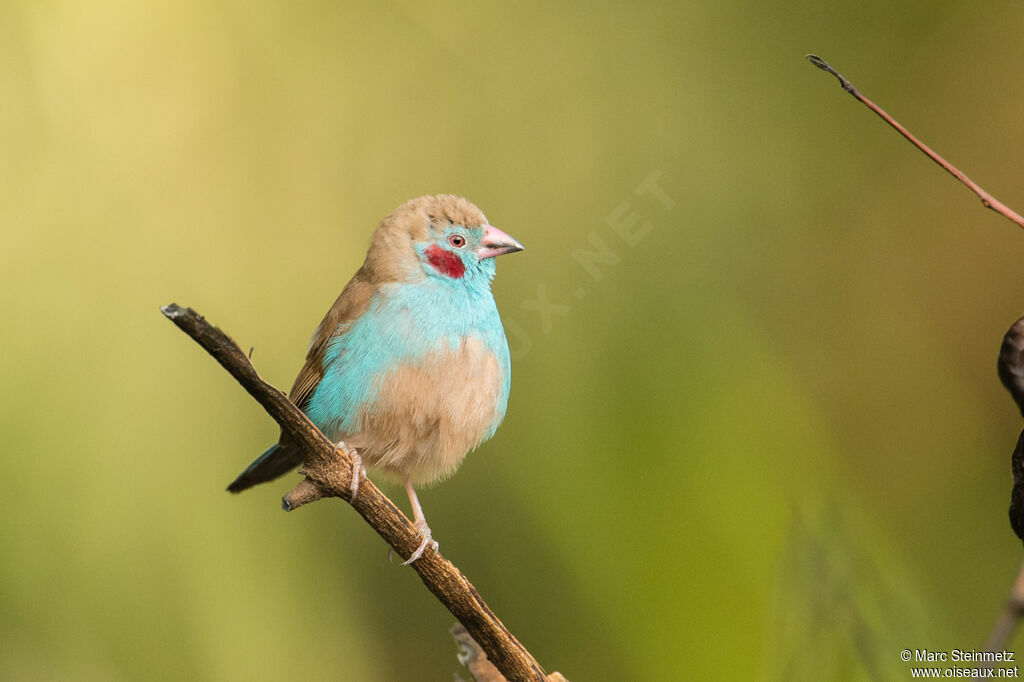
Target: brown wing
pixel 350 304
pixel 284 456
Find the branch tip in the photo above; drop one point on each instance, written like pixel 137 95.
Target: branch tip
pixel 987 199
pixel 818 61
pixel 825 66
pixel 172 310
pixel 305 492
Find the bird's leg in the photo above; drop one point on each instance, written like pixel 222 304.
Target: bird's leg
pixel 421 524
pixel 357 468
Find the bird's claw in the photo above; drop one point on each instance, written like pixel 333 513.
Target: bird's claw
pixel 357 469
pixel 427 540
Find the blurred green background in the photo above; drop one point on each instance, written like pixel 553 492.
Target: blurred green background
pixel 767 442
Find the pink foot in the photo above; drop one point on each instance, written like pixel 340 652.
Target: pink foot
pixel 357 469
pixel 421 524
pixel 428 541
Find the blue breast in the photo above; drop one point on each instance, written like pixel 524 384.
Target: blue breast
pixel 402 325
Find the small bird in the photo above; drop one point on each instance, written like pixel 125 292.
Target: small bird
pixel 409 370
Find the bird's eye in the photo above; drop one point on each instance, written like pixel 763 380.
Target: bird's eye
pixel 457 240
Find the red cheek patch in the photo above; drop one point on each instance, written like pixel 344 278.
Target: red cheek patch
pixel 445 262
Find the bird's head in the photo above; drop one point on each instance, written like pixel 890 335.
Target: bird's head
pixel 441 236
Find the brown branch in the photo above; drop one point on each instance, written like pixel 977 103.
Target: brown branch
pixel 1011 362
pixel 328 473
pixel 987 199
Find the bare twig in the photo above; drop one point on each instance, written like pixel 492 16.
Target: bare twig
pixel 1011 360
pixel 1007 623
pixel 987 199
pixel 328 472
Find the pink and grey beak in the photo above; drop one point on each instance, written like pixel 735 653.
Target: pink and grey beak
pixel 497 243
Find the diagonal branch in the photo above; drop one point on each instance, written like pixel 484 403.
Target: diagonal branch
pixel 1010 366
pixel 328 473
pixel 987 199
